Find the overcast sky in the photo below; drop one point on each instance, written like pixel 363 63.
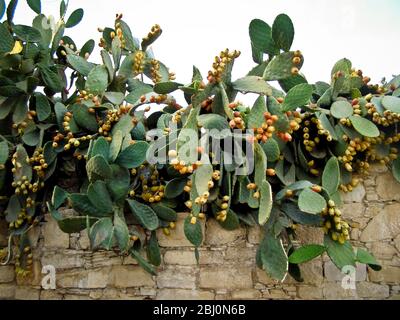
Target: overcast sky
pixel 365 31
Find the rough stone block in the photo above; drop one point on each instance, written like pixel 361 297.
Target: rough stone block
pixel 357 195
pixel 312 271
pixel 53 236
pixel 225 277
pixel 372 290
pixel 7 274
pixel 332 273
pixel 353 210
pixel 387 187
pixel 7 291
pixel 76 297
pixel 180 257
pixel 50 295
pixel 130 276
pixel 184 294
pixel 84 241
pixel 26 293
pixel 211 257
pixel 335 291
pixel 84 279
pixel 277 293
pixel 247 294
pixel 309 292
pixel 309 234
pixel 383 250
pixel 384 226
pixel 63 259
pixel 216 235
pixel 242 255
pixel 177 277
pixel 388 274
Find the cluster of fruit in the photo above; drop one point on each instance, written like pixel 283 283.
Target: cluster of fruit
pixel 224 206
pixel 152 187
pixel 296 61
pixel 156 76
pixel 333 223
pixel 38 162
pixel 154 33
pixel 220 63
pixel 349 186
pixel 138 62
pixel 84 95
pixel 118 31
pixel 21 218
pixel 237 122
pixel 111 118
pixel 267 128
pixel 355 147
pixel 25 257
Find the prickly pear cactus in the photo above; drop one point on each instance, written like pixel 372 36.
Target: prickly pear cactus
pixel 130 152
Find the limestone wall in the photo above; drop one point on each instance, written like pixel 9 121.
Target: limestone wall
pixel 227 261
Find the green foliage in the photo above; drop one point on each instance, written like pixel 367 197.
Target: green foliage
pixel 274 259
pixel 261 37
pixel 266 202
pixel 281 66
pixel 331 176
pixel 64 117
pixel 297 96
pixel 193 231
pixel 283 32
pixel 133 156
pixel 341 109
pixel 144 214
pixel 364 126
pixel 341 254
pixel 363 256
pixel 311 202
pixel 306 253
pixel 74 18
pixel 252 84
pixel 256 115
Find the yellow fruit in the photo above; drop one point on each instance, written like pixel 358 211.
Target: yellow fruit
pixel 316 188
pixel 289 193
pixel 251 186
pixel 296 60
pixel 193 220
pixel 328 225
pixel 224 206
pixel 271 172
pixel 188 204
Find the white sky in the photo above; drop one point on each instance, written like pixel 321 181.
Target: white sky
pixel 365 31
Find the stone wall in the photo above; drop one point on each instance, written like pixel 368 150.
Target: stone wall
pixel 227 260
